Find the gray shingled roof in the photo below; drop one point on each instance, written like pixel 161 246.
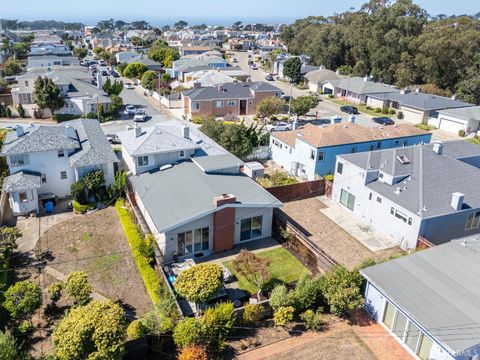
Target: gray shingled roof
pixel 91 147
pixel 421 100
pixel 358 85
pixel 466 113
pixel 95 148
pixel 166 137
pixel 439 288
pixel 180 194
pixel 38 138
pixel 428 180
pixel 21 181
pixel 230 91
pixel 211 164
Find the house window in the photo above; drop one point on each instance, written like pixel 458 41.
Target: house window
pixel 218 104
pixel 181 154
pixel 26 83
pixel 473 221
pixel 44 178
pixel 372 147
pixel 401 216
pixel 339 168
pixel 379 145
pixel 388 315
pixel 195 106
pixel 425 347
pixel 19 160
pixel 251 228
pixel 193 241
pixel 405 143
pixel 347 200
pixel 231 102
pixel 23 197
pixel 379 199
pixel 321 156
pixel 370 196
pixel 63 175
pixel 142 160
pixel 278 95
pixel 313 153
pixel 61 153
pixel 353 150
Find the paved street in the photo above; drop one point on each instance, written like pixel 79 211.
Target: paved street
pixel 324 110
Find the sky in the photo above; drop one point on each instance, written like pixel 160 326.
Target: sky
pixel 159 12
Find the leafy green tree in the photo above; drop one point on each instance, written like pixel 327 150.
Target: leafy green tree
pixel 252 268
pixel 119 183
pixel 200 282
pixel 292 68
pixel 21 111
pixel 12 67
pixel 179 25
pixel 121 67
pixel 308 292
pixel 8 238
pixel 78 287
pixel 113 87
pixel 9 347
pixel 268 107
pixel 149 80
pixel 115 104
pixel 136 330
pixel 22 299
pixel 48 95
pixel 469 90
pixel 301 105
pixel 94 331
pixel 20 49
pixel 233 139
pixel 80 53
pixel 212 128
pixel 134 70
pixel 164 55
pixel 342 290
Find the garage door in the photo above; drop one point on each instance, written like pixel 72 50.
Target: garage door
pixel 412 116
pixel 451 125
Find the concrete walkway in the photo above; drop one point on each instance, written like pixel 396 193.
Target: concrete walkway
pixel 373 239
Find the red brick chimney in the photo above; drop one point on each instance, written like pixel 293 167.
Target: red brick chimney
pixel 224 223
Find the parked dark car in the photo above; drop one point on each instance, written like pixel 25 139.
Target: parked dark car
pixel 349 109
pixel 383 120
pixel 104 73
pixel 114 74
pixel 269 77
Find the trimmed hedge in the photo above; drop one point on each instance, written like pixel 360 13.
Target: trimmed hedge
pixel 151 278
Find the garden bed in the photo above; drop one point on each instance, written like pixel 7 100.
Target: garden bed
pixel 283 268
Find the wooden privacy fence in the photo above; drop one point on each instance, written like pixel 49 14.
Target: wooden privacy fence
pixel 303 190
pixel 309 253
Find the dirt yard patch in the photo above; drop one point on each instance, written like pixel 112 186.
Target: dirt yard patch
pixel 329 236
pixel 96 244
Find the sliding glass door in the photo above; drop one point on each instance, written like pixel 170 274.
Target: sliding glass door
pixel 347 200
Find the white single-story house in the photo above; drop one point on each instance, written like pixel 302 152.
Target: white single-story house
pixel 454 120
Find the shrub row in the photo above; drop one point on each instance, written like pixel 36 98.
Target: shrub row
pixel 82 209
pixel 151 278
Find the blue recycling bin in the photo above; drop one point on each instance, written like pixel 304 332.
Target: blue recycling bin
pixel 49 207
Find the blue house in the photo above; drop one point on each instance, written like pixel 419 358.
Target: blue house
pixel 428 301
pixel 312 151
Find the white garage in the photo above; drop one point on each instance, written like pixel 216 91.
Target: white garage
pixel 453 120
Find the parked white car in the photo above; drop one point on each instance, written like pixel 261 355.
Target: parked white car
pixel 279 126
pixel 130 110
pixel 140 115
pixel 128 86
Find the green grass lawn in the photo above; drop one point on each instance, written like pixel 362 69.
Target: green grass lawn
pixel 284 268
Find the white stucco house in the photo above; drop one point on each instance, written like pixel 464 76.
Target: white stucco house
pixel 428 301
pixel 191 192
pixel 44 160
pixel 311 151
pixel 417 191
